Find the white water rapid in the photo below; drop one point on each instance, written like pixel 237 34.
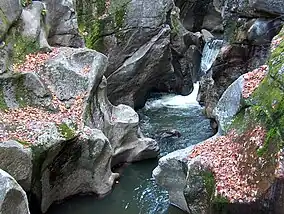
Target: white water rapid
pixel 174 101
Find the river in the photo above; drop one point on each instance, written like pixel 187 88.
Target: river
pixel 136 192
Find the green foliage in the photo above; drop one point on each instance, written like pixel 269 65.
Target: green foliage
pixel 3 105
pixel 209 181
pixel 270 136
pixel 219 199
pixel 25 3
pixel 66 131
pixel 43 12
pixel 24 143
pixel 104 21
pixel 94 39
pixel 21 92
pixel 22 47
pixel 119 17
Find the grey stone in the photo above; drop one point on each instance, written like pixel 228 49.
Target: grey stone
pixel 65 72
pixel 197 192
pixel 196 15
pixel 263 30
pixel 229 104
pixel 10 11
pixel 121 126
pixel 13 198
pixel 64 30
pixel 141 72
pixel 268 6
pixel 17 161
pixel 22 89
pixel 33 24
pixel 78 166
pixel 171 174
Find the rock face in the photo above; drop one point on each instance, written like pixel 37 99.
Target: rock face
pixel 10 12
pixel 34 26
pixel 13 198
pixel 17 161
pixel 137 36
pixel 87 164
pixel 198 188
pixel 64 30
pixel 197 15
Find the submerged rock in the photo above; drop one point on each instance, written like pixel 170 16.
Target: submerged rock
pixel 13 198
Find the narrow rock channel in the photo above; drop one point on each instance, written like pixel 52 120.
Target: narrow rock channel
pixel 137 192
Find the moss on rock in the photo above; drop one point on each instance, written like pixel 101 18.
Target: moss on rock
pixel 3 105
pixel 66 131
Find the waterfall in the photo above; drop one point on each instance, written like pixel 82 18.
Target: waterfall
pixel 175 101
pixel 209 54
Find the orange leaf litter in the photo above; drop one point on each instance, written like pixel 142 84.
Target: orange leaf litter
pixel 253 79
pixel 225 157
pixel 26 123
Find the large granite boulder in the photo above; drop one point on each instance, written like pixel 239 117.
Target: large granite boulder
pixel 17 161
pixel 78 166
pixel 229 104
pixel 10 12
pixel 64 30
pixel 13 197
pixel 171 174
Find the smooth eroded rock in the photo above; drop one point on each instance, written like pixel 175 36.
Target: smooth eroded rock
pixel 13 198
pixel 17 161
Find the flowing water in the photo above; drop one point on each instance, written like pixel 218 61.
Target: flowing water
pixel 209 54
pixel 137 192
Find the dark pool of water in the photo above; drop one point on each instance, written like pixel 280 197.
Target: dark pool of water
pixel 137 192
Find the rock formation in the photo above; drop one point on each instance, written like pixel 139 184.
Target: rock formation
pixel 13 197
